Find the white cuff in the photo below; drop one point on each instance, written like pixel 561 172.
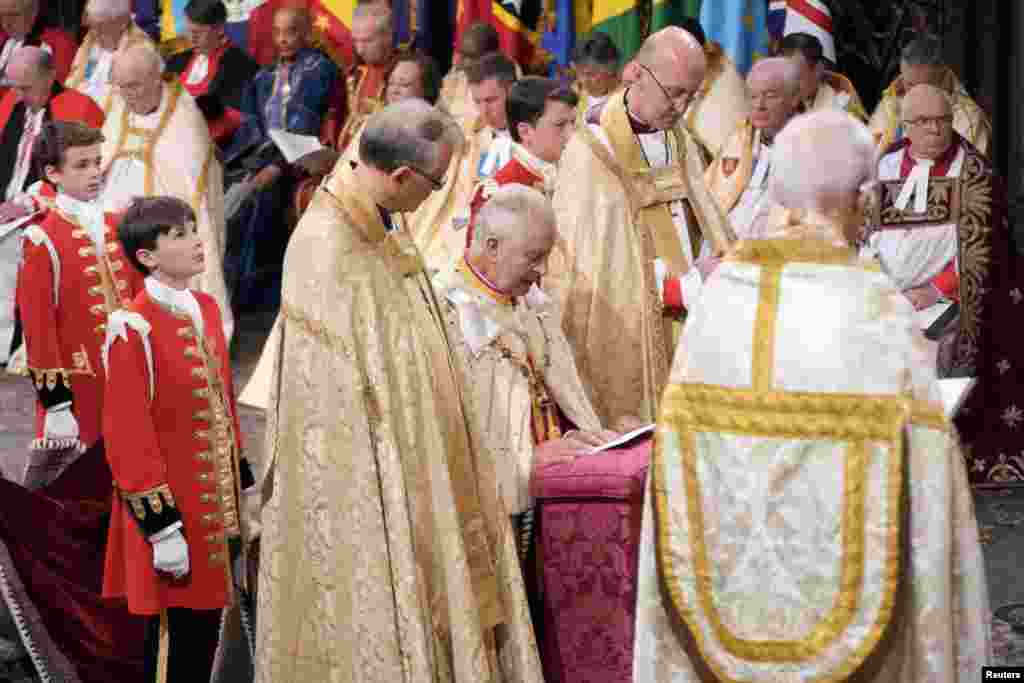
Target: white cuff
pixel 166 532
pixel 690 286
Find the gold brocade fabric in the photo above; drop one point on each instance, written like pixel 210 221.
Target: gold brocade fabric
pixel 723 101
pixel 502 400
pixel 610 237
pixel 376 561
pixel 808 516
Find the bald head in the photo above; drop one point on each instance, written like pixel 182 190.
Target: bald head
pixel 31 73
pixel 291 31
pixel 780 72
pixel 30 62
pixel 136 73
pixel 927 121
pixel 673 48
pixel 101 10
pixel 664 77
pixel 821 161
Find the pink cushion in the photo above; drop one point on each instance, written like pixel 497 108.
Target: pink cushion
pixel 613 475
pixel 589 516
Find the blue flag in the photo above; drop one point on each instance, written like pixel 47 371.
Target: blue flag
pixel 560 37
pixel 740 27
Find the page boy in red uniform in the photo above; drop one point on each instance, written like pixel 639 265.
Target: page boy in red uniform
pixel 172 440
pixel 72 277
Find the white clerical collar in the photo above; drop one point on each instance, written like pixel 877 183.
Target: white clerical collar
pixel 89 215
pixel 178 300
pixel 199 71
pixel 916 186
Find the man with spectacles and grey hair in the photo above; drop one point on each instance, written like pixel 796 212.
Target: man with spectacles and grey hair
pixel 634 213
pixel 371 444
pixel 923 62
pixel 942 235
pixel 111 28
pixel 803 427
pixel 738 178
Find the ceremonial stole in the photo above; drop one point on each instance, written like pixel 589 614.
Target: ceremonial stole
pixel 651 190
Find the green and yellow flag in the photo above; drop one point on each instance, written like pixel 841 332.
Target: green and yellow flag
pixel 672 12
pixel 621 20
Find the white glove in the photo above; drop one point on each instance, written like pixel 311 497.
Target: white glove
pixel 252 503
pixel 60 424
pixel 170 554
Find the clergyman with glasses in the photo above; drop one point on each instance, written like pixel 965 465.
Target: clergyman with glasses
pixel 941 233
pixel 635 217
pixel 373 511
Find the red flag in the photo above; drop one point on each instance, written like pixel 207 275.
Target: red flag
pixel 520 24
pixel 331 28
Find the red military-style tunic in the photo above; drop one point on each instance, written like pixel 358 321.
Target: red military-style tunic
pixel 172 441
pixel 66 290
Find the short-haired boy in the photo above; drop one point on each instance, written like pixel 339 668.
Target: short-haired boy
pixel 172 440
pixel 72 277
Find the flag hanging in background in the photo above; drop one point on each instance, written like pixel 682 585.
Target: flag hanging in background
pixel 672 12
pixel 776 19
pixel 521 25
pixel 740 27
pixel 560 38
pixel 331 22
pixel 813 17
pixel 404 14
pixel 621 20
pixel 237 27
pixel 173 34
pixel 469 12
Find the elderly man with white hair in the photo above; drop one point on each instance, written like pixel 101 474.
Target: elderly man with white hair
pixel 527 407
pixel 378 561
pixel 156 142
pixel 807 493
pixel 941 233
pixel 634 213
pixel 738 178
pixel 111 28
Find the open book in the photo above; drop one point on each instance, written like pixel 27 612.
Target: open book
pixel 625 439
pixel 294 146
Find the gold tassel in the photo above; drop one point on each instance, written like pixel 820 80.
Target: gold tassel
pixel 164 648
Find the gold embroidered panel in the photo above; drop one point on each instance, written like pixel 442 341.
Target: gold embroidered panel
pixel 778 526
pixel 942 208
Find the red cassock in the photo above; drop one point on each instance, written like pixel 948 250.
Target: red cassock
pixel 68 105
pixel 513 172
pixel 65 292
pixel 172 441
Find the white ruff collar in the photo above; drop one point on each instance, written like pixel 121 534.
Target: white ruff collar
pixel 89 214
pixel 479 326
pixel 178 300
